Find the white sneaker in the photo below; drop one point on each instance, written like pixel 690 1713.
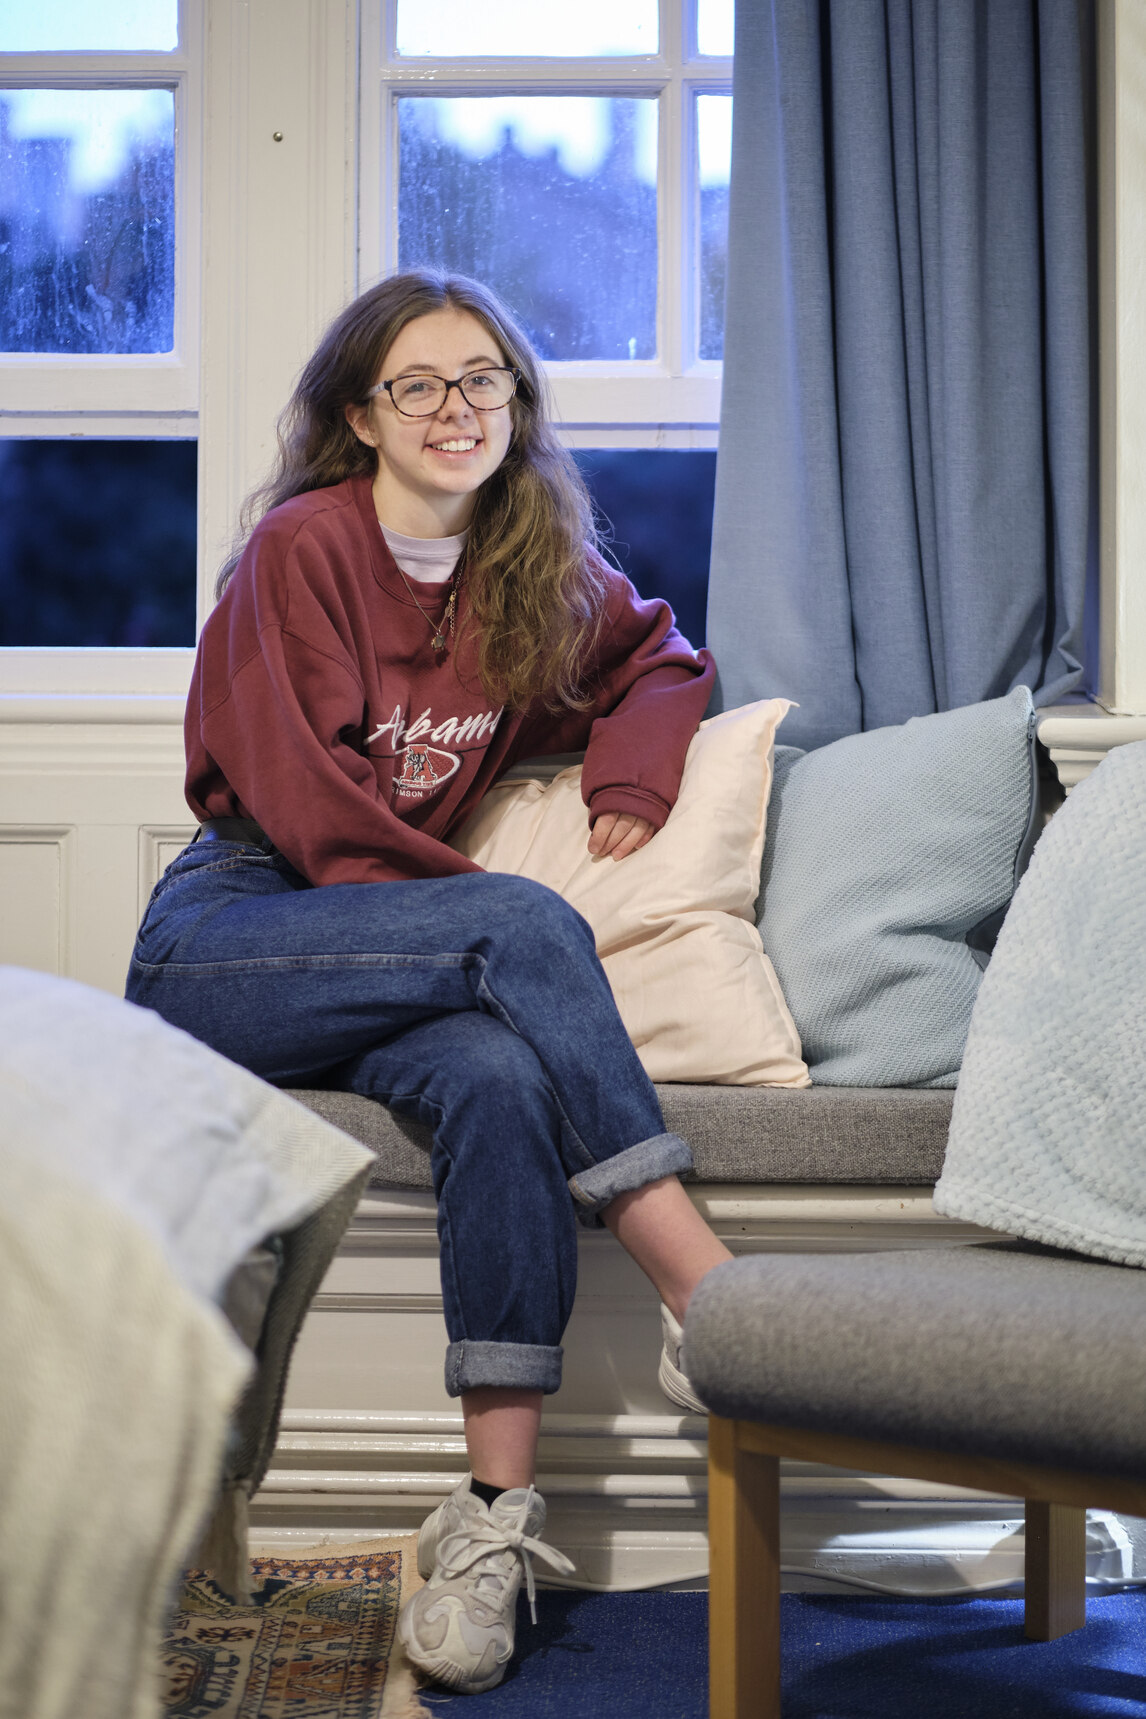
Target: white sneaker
pixel 671 1377
pixel 459 1628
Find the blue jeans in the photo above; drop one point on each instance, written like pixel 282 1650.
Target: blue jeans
pixel 475 1003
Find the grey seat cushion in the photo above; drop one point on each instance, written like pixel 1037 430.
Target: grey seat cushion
pixel 1003 1349
pixel 737 1133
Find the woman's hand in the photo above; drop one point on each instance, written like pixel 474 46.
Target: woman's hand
pixel 619 833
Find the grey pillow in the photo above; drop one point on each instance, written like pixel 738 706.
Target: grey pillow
pixel 890 861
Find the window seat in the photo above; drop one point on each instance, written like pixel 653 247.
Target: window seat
pixel 765 1134
pixel 369 1441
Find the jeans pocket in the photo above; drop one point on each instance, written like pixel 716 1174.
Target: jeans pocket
pixel 200 858
pixel 190 879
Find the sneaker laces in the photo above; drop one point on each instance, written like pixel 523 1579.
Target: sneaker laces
pixel 466 1547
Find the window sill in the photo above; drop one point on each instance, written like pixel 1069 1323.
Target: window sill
pixel 93 684
pixel 1078 737
pixel 88 707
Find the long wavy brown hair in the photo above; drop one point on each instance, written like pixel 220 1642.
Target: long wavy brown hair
pixel 533 572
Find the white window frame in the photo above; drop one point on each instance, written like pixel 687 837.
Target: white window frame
pixel 672 401
pixel 128 396
pixel 121 394
pixel 268 177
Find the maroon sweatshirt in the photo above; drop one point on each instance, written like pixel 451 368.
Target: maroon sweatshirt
pixel 319 707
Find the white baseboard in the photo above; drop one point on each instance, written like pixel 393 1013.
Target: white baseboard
pixel 626 1497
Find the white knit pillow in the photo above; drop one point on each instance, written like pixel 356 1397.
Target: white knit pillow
pixel 674 921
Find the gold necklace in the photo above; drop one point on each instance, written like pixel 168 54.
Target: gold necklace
pixel 438 630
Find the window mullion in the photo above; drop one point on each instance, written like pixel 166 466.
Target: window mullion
pixel 377 176
pixel 690 225
pixel 671 41
pixel 383 17
pixel 389 153
pixel 189 194
pixel 674 297
pixel 671 232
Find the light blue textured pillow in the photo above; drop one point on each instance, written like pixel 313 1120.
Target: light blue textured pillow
pixel 890 860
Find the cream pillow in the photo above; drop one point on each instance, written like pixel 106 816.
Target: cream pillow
pixel 674 922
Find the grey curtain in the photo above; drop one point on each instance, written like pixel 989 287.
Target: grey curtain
pixel 905 478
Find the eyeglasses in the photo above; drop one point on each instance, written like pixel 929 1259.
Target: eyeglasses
pixel 423 396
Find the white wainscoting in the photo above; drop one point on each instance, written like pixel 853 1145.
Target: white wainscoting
pixel 91 809
pixel 89 815
pixel 37 889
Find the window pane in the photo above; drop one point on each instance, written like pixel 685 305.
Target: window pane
pixel 714 26
pixel 508 27
pixel 714 150
pixel 657 507
pixel 97 543
pixel 80 26
pixel 87 220
pixel 550 200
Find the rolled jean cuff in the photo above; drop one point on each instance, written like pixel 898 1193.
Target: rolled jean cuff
pixel 511 1366
pixel 647 1161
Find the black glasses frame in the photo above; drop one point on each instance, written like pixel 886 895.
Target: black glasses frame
pixel 459 384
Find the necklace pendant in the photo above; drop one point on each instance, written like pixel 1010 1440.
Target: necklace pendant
pixel 439 641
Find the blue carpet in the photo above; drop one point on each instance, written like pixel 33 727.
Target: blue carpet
pixel 644 1656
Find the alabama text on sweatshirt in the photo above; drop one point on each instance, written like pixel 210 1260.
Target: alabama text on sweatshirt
pixel 319 707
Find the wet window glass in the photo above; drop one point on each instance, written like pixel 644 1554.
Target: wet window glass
pixel 714 151
pixel 550 200
pixel 97 543
pixel 82 26
pixel 87 220
pixel 511 27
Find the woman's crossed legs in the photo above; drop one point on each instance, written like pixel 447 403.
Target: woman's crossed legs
pixel 475 1002
pixel 478 1004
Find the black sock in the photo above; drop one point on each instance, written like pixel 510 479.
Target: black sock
pixel 487 1494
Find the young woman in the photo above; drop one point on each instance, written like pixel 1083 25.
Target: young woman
pixel 420 605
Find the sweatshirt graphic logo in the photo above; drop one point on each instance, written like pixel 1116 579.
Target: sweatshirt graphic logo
pixel 419 771
pixel 424 768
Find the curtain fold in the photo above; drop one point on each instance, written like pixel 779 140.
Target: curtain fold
pixel 904 482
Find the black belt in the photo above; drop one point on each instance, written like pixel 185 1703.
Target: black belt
pixel 234 830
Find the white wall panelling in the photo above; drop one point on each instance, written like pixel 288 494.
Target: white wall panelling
pixel 36 890
pixel 75 798
pixel 100 767
pixel 158 846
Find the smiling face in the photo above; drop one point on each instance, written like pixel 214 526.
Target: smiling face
pixel 429 469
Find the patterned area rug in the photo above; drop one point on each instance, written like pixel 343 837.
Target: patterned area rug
pixel 317 1641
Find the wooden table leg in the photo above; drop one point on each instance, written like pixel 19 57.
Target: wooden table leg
pixel 1055 1570
pixel 744 1578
